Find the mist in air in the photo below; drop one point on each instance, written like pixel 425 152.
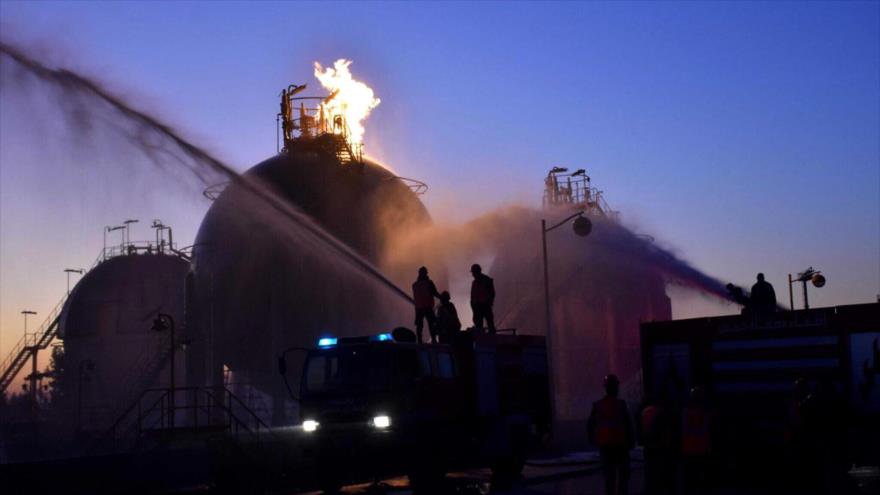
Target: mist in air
pixel 602 286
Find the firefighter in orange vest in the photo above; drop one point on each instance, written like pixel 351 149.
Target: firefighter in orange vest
pixel 424 292
pixel 609 428
pixel 696 436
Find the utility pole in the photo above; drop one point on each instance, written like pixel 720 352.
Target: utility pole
pixel 582 227
pixel 127 224
pixel 33 349
pixel 107 229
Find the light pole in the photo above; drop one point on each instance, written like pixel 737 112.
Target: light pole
pixel 163 322
pixel 109 229
pixel 68 271
pixel 26 312
pixel 160 242
pixel 127 237
pixel 808 275
pixel 582 227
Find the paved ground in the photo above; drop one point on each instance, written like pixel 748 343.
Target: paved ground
pixel 574 475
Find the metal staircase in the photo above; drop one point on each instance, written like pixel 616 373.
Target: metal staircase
pixel 143 374
pixel 33 343
pixel 30 344
pixel 164 412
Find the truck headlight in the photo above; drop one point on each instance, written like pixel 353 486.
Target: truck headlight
pixel 381 421
pixel 310 425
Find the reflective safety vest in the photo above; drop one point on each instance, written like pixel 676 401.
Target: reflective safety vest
pixel 610 423
pixel 695 431
pixel 649 425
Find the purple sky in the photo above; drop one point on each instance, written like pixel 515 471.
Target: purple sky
pixel 742 135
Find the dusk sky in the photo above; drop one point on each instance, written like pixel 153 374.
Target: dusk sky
pixel 744 136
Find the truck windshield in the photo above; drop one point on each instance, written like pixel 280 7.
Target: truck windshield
pixel 345 369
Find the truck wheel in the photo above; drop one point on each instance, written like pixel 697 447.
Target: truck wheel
pixel 427 480
pixel 506 470
pixel 330 489
pixel 329 485
pixel 504 473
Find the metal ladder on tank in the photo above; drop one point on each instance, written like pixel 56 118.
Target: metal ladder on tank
pixel 29 346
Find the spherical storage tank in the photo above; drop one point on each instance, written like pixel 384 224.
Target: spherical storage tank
pixel 111 351
pixel 261 284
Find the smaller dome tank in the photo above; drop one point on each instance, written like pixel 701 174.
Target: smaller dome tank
pixel 106 326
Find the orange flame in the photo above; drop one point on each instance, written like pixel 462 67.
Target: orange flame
pixel 353 101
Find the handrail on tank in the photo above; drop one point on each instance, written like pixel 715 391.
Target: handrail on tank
pixel 416 186
pixel 312 123
pixel 562 187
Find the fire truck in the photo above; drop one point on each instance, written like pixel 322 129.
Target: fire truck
pixel 384 405
pixel 748 366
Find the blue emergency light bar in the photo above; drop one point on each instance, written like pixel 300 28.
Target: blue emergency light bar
pixel 332 341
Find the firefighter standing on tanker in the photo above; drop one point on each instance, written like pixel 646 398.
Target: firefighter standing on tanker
pixel 482 298
pixel 424 292
pixel 448 323
pixel 610 429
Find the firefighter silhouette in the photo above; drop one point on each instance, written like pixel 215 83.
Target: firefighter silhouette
pixel 424 292
pixel 610 429
pixel 482 298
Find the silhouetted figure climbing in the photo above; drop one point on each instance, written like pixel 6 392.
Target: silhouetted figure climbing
pixel 763 297
pixel 482 298
pixel 424 292
pixel 610 430
pixel 448 323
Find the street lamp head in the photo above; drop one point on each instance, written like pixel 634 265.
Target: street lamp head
pixel 75 270
pixel 28 312
pixel 131 221
pixel 582 226
pixel 117 227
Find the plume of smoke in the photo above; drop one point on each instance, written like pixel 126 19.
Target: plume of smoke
pixel 516 229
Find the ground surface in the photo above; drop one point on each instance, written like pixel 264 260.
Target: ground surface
pixel 576 474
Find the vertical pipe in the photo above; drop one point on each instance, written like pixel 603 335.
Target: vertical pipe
pixel 34 376
pixel 79 401
pixel 548 326
pixel 171 398
pixel 806 301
